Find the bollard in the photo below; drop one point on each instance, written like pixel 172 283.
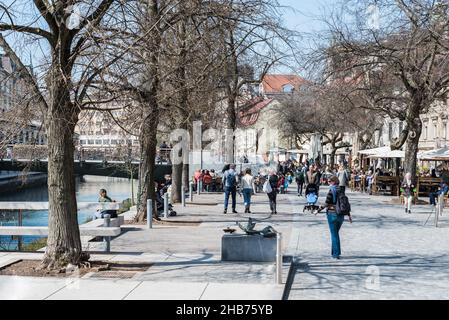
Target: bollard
pixel 150 213
pixel 107 223
pixel 278 258
pixel 198 187
pixel 191 192
pixel 166 205
pixel 183 196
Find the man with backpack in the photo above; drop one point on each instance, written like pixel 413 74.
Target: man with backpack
pixel 337 207
pixel 230 188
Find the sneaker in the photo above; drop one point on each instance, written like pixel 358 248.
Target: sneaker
pixel 234 211
pixel 406 211
pixel 410 212
pixel 225 212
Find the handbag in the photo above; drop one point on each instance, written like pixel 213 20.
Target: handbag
pixel 267 187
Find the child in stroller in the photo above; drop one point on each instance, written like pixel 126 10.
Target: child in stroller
pixel 312 198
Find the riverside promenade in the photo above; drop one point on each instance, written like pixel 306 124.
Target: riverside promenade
pixel 185 257
pixel 386 254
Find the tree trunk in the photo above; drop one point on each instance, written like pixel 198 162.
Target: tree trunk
pixel 176 182
pixel 148 145
pixel 186 175
pixel 232 125
pixel 332 155
pixel 63 244
pixel 412 146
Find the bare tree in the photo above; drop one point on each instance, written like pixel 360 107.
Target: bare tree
pixel 398 60
pixel 60 98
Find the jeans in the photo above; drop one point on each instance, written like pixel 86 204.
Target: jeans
pixel 335 222
pixel 433 196
pixel 408 202
pixel 300 186
pixel 233 192
pixel 272 196
pixel 247 197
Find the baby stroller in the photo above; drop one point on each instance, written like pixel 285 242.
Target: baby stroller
pixel 160 203
pixel 312 198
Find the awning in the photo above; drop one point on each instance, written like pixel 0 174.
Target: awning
pixel 435 155
pixel 298 151
pixel 384 152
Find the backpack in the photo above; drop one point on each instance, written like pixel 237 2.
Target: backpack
pixel 230 180
pixel 342 206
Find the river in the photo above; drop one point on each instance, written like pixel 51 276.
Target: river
pixel 87 190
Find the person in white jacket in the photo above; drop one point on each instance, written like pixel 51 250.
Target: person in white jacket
pixel 248 188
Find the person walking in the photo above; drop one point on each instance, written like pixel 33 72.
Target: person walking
pixel 343 178
pixel 407 187
pixel 334 219
pixel 273 181
pixel 230 188
pixel 300 181
pixel 248 188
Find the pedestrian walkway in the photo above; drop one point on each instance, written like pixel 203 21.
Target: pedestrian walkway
pixel 26 288
pixel 386 254
pixel 185 257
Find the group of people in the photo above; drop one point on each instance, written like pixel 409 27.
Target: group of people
pixel 408 188
pixel 208 179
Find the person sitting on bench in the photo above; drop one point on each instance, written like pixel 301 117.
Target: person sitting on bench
pixel 443 189
pixel 105 198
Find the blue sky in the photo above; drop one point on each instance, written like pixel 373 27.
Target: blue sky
pixel 304 14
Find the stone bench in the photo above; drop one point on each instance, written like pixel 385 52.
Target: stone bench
pixel 115 222
pixel 106 232
pixel 245 248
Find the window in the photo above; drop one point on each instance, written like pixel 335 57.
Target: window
pixel 90 142
pixel 113 141
pixel 105 142
pixel 82 142
pixel 426 132
pixel 288 88
pixel 445 131
pixel 401 127
pixel 98 142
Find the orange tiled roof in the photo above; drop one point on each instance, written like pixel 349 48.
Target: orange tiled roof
pixel 274 83
pixel 250 116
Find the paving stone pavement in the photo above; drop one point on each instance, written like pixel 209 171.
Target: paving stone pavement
pixel 386 254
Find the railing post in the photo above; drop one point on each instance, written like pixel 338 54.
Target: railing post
pixel 279 258
pixel 150 213
pixel 166 205
pixel 183 196
pixel 107 223
pixel 191 191
pixel 19 238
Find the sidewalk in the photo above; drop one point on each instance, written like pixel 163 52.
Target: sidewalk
pixel 386 254
pixel 185 254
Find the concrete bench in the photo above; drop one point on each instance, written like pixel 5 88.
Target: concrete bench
pixel 106 232
pixel 115 222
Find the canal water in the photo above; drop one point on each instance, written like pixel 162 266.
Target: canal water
pixel 87 190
